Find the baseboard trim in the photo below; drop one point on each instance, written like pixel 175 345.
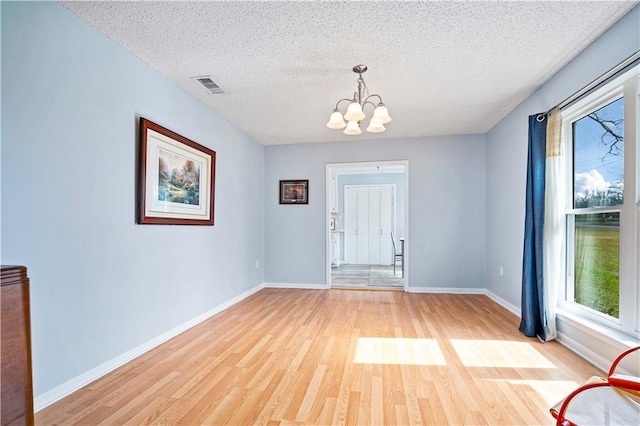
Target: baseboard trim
pixel 445 290
pixel 586 353
pixel 613 340
pixel 303 286
pixel 47 398
pixel 500 301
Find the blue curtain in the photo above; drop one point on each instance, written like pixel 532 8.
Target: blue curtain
pixel 533 308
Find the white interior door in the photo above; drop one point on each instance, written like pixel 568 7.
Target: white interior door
pixel 387 224
pixel 369 216
pixel 362 226
pixel 350 225
pixel 374 230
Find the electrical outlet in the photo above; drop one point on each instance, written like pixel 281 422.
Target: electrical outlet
pixel 257 264
pixel 501 271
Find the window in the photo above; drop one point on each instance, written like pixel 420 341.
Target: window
pixel 600 134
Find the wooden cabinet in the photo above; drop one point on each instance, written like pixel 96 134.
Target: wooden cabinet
pixel 15 354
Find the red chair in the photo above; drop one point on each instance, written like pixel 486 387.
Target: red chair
pixel 611 401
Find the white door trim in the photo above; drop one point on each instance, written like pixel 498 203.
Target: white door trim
pixel 333 168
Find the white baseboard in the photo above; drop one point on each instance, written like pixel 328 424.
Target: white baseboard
pixel 304 286
pixel 445 290
pixel 593 357
pixel 597 337
pixel 45 399
pixel 500 301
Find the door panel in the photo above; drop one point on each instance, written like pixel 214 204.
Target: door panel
pixel 369 219
pixel 362 234
pixel 374 226
pixel 350 225
pixel 387 209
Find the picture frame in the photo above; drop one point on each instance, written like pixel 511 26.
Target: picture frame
pixel 294 192
pixel 176 178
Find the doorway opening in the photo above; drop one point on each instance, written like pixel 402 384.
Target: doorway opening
pixel 367 225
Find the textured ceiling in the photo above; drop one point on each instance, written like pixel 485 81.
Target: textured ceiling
pixel 441 67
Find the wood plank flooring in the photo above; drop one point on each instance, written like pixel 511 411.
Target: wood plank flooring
pixel 285 357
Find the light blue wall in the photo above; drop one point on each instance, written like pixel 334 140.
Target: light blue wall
pixel 506 155
pixel 396 179
pixel 446 208
pixel 100 284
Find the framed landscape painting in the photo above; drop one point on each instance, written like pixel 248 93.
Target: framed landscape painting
pixel 176 178
pixel 294 192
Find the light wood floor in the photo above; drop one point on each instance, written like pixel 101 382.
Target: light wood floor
pixel 338 357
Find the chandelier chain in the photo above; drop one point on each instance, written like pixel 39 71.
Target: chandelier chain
pixel 363 89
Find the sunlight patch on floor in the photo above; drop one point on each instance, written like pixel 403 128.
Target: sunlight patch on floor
pixel 499 353
pixel 397 350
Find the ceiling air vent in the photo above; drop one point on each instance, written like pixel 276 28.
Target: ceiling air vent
pixel 209 85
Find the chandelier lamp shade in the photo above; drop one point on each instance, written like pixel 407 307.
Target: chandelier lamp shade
pixel 354 115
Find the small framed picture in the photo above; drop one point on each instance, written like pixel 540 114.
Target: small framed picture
pixel 294 192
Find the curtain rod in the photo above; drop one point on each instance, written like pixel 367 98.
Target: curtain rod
pixel 635 57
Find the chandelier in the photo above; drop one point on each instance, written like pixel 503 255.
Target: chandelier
pixel 355 114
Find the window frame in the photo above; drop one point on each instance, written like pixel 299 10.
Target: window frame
pixel 626 86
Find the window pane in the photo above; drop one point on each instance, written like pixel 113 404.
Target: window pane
pixel 597 261
pixel 598 157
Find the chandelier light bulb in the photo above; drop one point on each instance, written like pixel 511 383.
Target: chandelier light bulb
pixel 353 129
pixel 381 114
pixel 354 112
pixel 375 126
pixel 336 121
